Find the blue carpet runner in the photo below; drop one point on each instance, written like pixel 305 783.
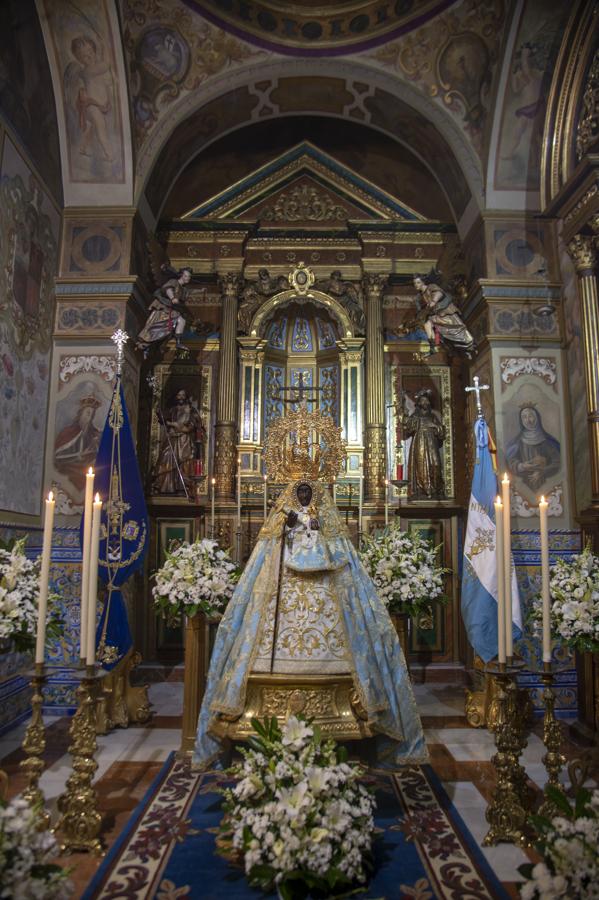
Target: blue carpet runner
pixel 423 850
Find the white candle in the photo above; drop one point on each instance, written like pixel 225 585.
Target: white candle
pixel 239 493
pixel 87 534
pixel 265 496
pixel 507 551
pixel 212 510
pixel 93 582
pixel 386 501
pixel 500 580
pixel 360 502
pixel 543 507
pixel 44 580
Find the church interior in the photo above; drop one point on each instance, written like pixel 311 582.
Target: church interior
pixel 369 230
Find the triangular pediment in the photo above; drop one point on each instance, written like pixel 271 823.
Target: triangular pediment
pixel 304 187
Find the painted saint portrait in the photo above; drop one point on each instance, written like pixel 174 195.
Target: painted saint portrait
pixel 533 454
pixel 76 444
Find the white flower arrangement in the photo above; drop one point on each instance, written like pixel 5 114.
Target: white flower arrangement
pixel 404 569
pixel 26 872
pixel 574 591
pixel 298 816
pixel 195 577
pixel 569 844
pixel 19 595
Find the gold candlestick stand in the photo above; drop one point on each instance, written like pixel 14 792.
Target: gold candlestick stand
pixel 507 812
pixel 80 822
pixel 34 744
pixel 552 738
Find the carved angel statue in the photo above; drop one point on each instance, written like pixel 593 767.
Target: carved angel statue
pixel 440 316
pixel 255 293
pixel 349 295
pixel 169 315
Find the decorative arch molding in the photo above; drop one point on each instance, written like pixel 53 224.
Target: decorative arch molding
pixel 319 298
pixel 580 42
pixel 348 90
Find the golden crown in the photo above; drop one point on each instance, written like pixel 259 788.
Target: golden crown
pixel 304 445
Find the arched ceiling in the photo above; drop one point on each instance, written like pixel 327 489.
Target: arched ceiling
pixel 312 27
pixel 371 154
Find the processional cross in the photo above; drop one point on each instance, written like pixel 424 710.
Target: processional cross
pixel 300 389
pixel 477 388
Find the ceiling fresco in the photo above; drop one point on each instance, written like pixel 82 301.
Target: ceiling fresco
pixel 315 28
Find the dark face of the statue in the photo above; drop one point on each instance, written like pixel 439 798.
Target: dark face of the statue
pixel 304 493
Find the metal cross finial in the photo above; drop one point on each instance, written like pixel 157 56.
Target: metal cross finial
pixel 120 338
pixel 477 388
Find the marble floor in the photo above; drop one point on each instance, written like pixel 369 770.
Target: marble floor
pixel 129 759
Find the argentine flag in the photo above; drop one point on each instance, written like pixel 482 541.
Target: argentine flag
pixel 479 578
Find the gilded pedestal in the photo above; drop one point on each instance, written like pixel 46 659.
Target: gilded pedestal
pixel 331 701
pixel 196 662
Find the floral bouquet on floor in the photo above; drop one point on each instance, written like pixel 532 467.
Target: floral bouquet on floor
pixel 197 577
pixel 298 816
pixel 569 844
pixel 574 590
pixel 26 872
pixel 19 595
pixel 404 569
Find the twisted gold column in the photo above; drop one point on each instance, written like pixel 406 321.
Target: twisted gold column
pixel 224 444
pixel 374 487
pixel 582 250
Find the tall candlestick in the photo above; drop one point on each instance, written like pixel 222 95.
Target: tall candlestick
pixel 500 549
pixel 44 580
pixel 507 550
pixel 360 502
pixel 94 556
pixel 265 496
pixel 213 483
pixel 543 507
pixel 239 492
pixel 87 534
pixel 386 501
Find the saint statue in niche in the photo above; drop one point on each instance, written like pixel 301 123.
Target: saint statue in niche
pixel 425 466
pixel 177 457
pixel 534 454
pixel 440 317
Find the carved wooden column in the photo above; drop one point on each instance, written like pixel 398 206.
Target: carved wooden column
pixel 374 487
pixel 226 403
pixel 582 250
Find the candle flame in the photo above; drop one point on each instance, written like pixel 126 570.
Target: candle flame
pixel 505 478
pixel 90 471
pixel 214 481
pixel 97 500
pixel 265 477
pixel 498 501
pixel 50 496
pixel 543 498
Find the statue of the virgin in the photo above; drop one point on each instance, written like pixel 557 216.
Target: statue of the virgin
pixel 305 631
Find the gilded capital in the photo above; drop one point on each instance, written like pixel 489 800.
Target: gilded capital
pixel 230 285
pixel 582 250
pixel 373 285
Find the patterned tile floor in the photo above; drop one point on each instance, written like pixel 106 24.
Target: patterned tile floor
pixel 129 759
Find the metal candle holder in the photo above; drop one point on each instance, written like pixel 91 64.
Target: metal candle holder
pixel 552 738
pixel 34 745
pixel 507 813
pixel 80 822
